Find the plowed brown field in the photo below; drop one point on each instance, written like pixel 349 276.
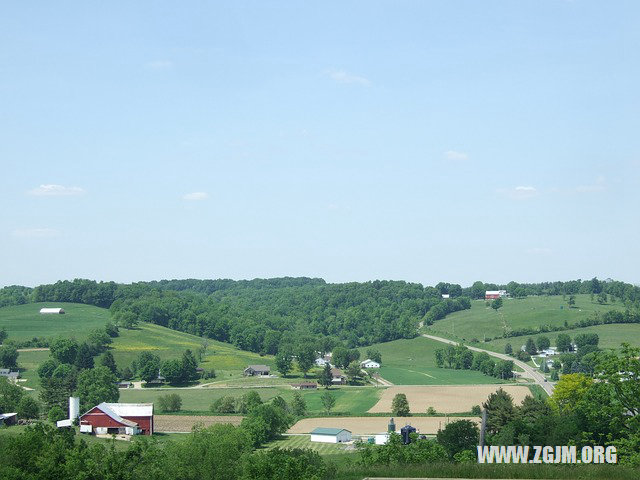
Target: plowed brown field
pixel 446 399
pixel 185 423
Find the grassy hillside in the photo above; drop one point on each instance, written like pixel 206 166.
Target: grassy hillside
pixel 481 321
pixel 412 362
pixel 611 336
pixel 24 322
pixel 227 360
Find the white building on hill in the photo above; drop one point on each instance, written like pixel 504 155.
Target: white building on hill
pixel 49 311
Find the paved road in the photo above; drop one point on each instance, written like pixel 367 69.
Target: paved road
pixel 529 371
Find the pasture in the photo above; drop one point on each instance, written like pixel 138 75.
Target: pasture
pixel 349 400
pixel 481 321
pixel 611 336
pixel 446 399
pixel 24 322
pixel 412 362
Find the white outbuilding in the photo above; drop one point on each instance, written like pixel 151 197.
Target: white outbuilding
pixel 330 435
pixel 50 311
pixel 368 363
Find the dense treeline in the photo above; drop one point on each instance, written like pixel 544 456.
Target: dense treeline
pixel 627 293
pixel 460 357
pixel 260 315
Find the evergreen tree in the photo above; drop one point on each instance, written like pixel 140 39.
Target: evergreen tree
pixel 325 377
pixel 107 360
pixel 84 357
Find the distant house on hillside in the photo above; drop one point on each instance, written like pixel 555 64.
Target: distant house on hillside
pixel 446 295
pixel 50 311
pixel 9 375
pixel 321 362
pixel 493 294
pixel 368 363
pixel 337 378
pixel 257 371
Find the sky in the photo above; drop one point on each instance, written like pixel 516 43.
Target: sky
pixel 423 141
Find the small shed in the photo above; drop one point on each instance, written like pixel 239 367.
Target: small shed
pixel 337 378
pixel 51 311
pixel 305 386
pixel 330 435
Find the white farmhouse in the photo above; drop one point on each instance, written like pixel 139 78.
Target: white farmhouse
pixel 368 363
pixel 49 311
pixel 320 362
pixel 330 435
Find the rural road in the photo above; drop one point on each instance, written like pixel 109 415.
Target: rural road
pixel 529 372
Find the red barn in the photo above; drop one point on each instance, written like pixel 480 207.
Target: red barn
pixel 493 294
pixel 119 418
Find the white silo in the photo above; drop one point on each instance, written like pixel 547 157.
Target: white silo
pixel 74 408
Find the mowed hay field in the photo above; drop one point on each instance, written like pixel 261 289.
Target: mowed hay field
pixel 611 336
pixel 373 425
pixel 412 362
pixel 480 321
pixel 349 400
pixel 304 441
pixel 24 322
pixel 446 399
pixel 185 423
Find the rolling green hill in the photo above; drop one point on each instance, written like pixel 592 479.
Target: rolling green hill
pixel 412 362
pixel 24 322
pixel 482 321
pixel 611 336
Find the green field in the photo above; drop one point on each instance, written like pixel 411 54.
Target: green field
pixel 412 362
pixel 304 441
pixel 24 322
pixel 349 400
pixel 481 321
pixel 611 336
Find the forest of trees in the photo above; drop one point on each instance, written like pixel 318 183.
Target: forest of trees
pixel 260 315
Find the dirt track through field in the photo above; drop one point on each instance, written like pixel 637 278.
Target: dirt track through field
pixel 446 399
pixel 373 425
pixel 185 423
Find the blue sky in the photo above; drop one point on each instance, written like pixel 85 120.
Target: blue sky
pixel 413 140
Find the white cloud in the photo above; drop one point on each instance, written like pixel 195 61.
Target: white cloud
pixel 159 64
pixel 520 192
pixel 455 155
pixel 35 233
pixel 51 190
pixel 195 196
pixel 340 76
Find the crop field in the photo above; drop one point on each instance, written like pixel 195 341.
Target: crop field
pixel 304 441
pixel 611 336
pixel 446 399
pixel 351 400
pixel 412 362
pixel 373 425
pixel 481 321
pixel 24 322
pixel 185 423
pixel 28 362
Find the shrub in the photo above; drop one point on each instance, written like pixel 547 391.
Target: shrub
pixel 171 402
